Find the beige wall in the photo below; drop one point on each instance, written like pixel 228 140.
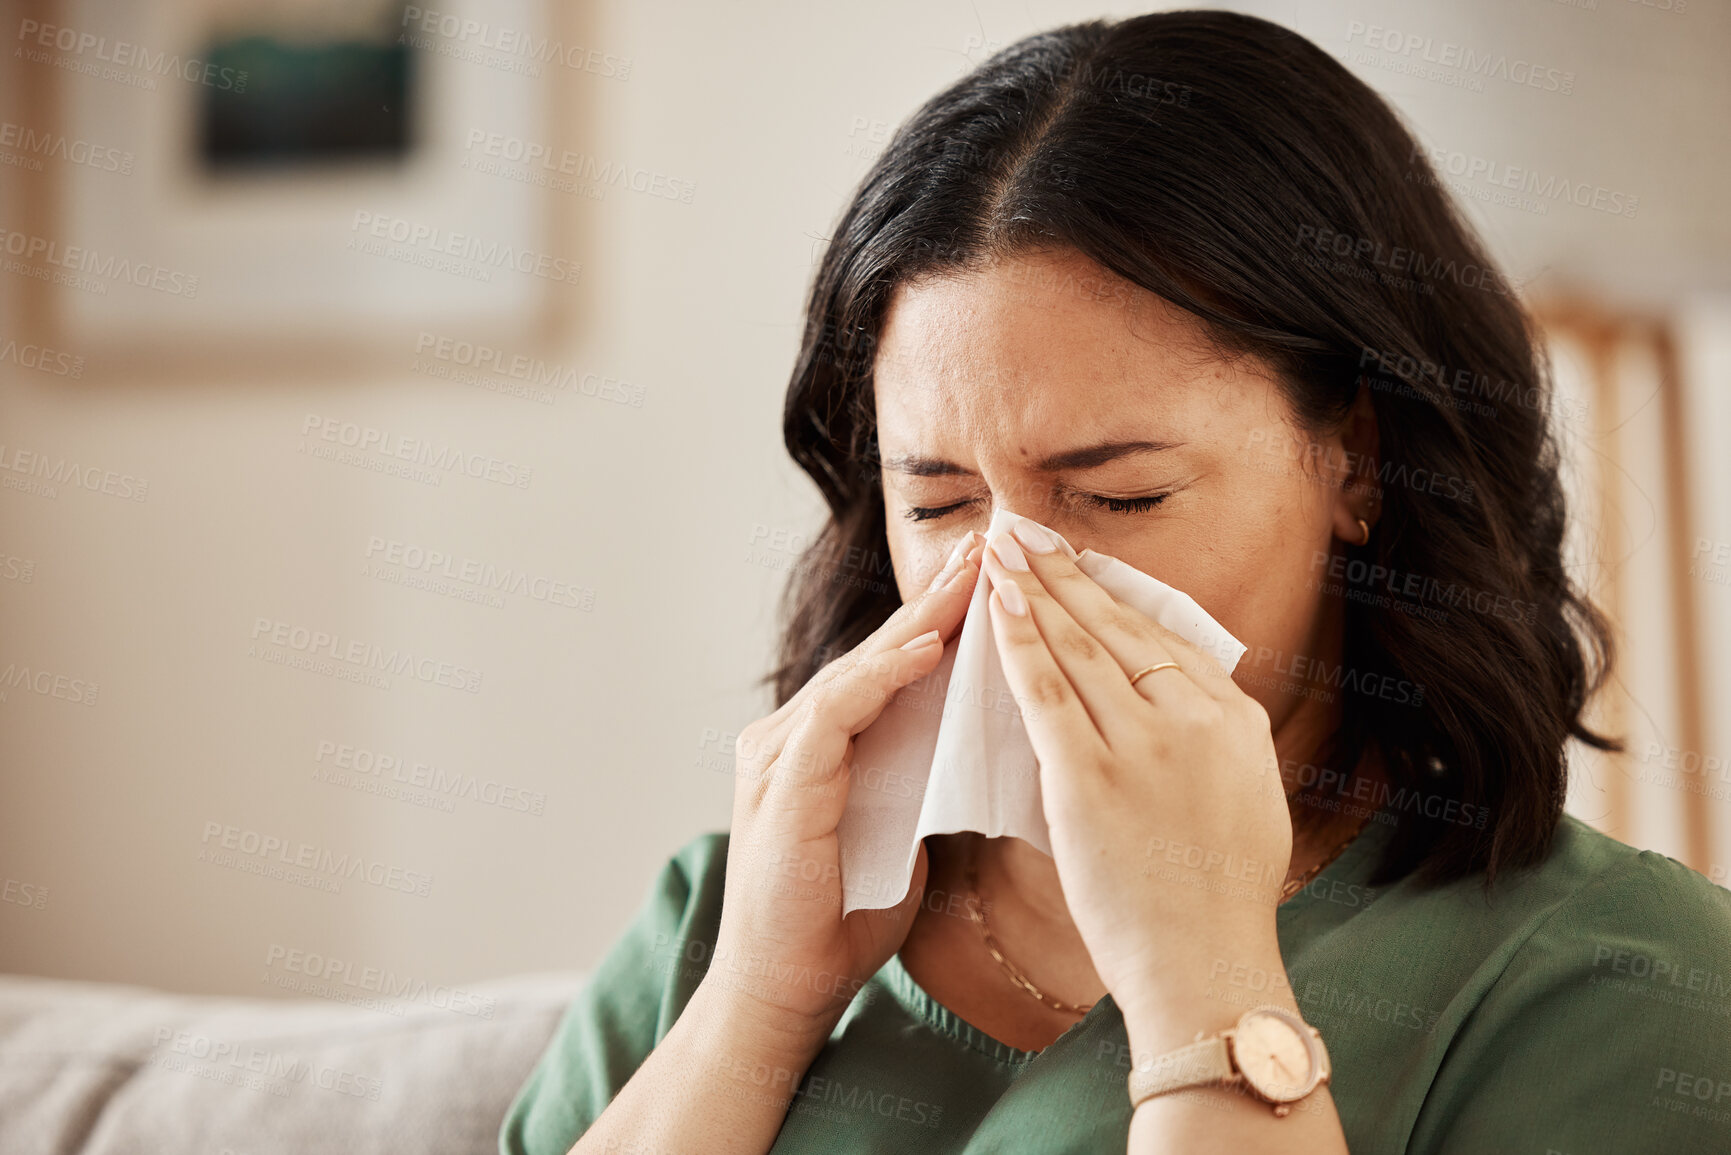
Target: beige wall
pixel 677 514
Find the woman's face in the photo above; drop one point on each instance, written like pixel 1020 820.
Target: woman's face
pixel 1047 386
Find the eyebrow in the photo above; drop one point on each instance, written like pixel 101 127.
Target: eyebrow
pixel 1086 457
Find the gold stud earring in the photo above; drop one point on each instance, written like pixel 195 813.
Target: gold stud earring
pixel 1364 528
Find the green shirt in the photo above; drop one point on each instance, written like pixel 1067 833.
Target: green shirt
pixel 1585 1008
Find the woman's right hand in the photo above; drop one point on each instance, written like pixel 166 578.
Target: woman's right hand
pixel 785 963
pixel 783 950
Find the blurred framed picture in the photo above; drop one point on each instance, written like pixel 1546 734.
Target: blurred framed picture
pixel 300 183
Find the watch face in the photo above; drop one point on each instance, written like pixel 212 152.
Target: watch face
pixel 1274 1054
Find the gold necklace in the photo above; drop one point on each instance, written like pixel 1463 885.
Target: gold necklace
pixel 977 913
pixel 1293 886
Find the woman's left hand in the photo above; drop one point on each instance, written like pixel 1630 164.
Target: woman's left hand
pixel 1168 822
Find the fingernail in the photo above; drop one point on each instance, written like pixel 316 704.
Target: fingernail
pixel 1010 594
pixel 951 564
pixel 922 641
pixel 1036 537
pixel 1010 553
pixel 960 579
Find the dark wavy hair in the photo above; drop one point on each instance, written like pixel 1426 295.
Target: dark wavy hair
pixel 1236 170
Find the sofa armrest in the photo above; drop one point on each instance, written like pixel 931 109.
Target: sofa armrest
pixel 103 1069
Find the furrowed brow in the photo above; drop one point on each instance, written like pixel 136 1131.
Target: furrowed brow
pixel 1086 457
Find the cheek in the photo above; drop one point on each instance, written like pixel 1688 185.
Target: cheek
pixel 1255 569
pixel 1278 624
pixel 917 560
pixel 1242 554
pixel 1285 620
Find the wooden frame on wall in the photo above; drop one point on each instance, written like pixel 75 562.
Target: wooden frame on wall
pixel 279 282
pixel 1607 336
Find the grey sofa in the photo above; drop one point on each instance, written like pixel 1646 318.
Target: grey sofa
pixel 100 1069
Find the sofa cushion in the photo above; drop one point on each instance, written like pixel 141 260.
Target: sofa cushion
pixel 102 1069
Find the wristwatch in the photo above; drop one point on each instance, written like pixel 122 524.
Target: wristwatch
pixel 1271 1052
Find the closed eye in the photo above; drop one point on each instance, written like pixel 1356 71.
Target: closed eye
pixel 930 512
pixel 1098 500
pixel 1127 504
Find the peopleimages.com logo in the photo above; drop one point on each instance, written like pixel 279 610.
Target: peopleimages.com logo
pixel 257 852
pixel 363 655
pixel 88 47
pixel 1453 62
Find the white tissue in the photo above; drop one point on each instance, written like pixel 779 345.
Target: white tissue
pixel 950 753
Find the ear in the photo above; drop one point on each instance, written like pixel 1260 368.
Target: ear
pixel 1357 494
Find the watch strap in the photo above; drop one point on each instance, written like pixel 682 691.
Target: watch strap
pixel 1200 1063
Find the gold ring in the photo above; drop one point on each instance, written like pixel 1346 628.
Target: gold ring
pixel 1364 529
pixel 1151 669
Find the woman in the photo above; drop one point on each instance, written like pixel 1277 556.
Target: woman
pixel 1181 289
